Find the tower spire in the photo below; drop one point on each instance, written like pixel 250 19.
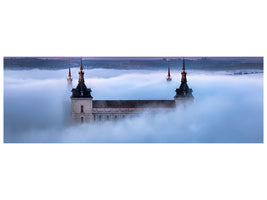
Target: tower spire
pixel 69 77
pixel 169 73
pixel 69 70
pixel 81 73
pixel 81 65
pixel 183 79
pixel 183 91
pixel 81 90
pixel 183 65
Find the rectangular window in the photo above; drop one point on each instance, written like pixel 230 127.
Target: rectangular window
pixel 81 108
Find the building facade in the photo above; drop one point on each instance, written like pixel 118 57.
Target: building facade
pixel 85 109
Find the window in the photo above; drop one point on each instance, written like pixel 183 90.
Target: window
pixel 107 117
pixel 94 117
pixel 81 119
pixel 99 117
pixel 116 117
pixel 81 108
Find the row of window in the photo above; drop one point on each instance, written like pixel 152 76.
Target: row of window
pixel 107 117
pixel 98 117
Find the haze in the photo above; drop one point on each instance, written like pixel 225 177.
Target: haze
pixel 227 108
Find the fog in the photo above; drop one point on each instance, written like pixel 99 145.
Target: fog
pixel 227 108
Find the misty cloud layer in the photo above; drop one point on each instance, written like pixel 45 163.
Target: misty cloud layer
pixel 226 108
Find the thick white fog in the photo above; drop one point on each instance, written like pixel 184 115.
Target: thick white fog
pixel 226 108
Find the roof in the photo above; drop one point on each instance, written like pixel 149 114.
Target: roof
pixel 184 91
pixel 133 103
pixel 81 91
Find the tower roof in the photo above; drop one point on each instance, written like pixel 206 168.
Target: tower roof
pixel 183 90
pixel 81 91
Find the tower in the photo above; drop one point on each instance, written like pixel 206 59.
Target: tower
pixel 183 93
pixel 81 100
pixel 169 73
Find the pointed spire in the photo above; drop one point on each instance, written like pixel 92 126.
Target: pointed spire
pixel 183 91
pixel 69 77
pixel 183 79
pixel 183 65
pixel 81 73
pixel 81 65
pixel 169 73
pixel 69 72
pixel 81 90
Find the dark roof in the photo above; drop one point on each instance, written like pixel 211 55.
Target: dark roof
pixel 81 91
pixel 184 91
pixel 133 103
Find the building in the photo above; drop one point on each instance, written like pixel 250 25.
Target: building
pixel 85 109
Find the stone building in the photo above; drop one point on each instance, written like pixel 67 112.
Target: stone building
pixel 85 109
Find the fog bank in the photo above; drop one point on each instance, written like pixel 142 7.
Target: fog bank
pixel 226 108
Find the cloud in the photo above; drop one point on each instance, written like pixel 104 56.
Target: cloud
pixel 226 108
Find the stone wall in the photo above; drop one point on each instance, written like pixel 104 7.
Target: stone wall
pixel 81 109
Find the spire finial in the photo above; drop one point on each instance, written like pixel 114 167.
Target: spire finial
pixel 183 65
pixel 81 73
pixel 183 79
pixel 69 69
pixel 169 73
pixel 69 77
pixel 81 66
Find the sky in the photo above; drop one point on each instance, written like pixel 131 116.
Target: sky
pixel 152 58
pixel 226 109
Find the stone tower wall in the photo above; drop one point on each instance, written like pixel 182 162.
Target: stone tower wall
pixel 77 113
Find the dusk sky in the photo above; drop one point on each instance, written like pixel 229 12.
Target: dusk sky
pixel 148 58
